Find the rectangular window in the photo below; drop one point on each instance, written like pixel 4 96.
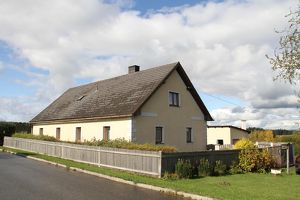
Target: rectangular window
pixel 159 135
pixel 189 135
pixel 173 99
pixel 58 133
pixel 41 131
pixel 78 134
pixel 220 142
pixel 106 133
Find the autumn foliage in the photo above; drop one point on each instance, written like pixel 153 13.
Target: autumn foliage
pixel 244 144
pixel 262 136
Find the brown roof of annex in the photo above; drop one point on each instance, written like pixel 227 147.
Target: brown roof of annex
pixel 116 97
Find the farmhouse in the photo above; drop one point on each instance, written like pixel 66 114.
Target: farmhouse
pixel 223 135
pixel 158 106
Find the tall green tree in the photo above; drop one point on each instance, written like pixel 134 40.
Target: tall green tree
pixel 286 58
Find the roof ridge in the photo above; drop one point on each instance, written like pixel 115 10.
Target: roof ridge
pixel 120 76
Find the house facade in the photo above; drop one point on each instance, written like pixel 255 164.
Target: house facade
pixel 223 135
pixel 157 106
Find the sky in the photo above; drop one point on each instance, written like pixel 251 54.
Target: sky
pixel 47 47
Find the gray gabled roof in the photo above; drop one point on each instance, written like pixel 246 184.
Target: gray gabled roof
pixel 116 97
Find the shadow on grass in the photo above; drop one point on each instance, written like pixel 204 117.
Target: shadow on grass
pixel 25 154
pixel 19 153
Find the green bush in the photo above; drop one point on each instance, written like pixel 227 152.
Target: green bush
pixel 118 143
pixel 124 144
pixel 255 160
pixel 235 168
pixel 170 176
pixel 205 168
pixel 9 128
pixel 219 168
pixel 6 129
pixel 184 169
pixel 35 137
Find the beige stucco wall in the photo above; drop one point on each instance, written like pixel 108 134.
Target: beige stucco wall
pixel 119 128
pixel 214 134
pixel 174 120
pixel 238 134
pixel 226 134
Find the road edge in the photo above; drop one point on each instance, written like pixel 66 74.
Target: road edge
pixel 119 180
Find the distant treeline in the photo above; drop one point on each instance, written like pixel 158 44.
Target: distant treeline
pixel 9 128
pixel 275 131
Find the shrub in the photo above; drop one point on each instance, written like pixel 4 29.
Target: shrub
pixel 184 169
pixel 35 137
pixel 244 144
pixel 235 168
pixel 8 128
pixel 118 143
pixel 219 168
pixel 266 161
pixel 124 144
pixel 170 176
pixel 254 160
pixel 205 168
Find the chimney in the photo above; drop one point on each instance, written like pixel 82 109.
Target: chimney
pixel 243 124
pixel 133 68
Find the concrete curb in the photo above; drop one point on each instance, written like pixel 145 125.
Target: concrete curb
pixel 140 185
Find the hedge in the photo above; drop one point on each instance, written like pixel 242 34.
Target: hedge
pixel 9 128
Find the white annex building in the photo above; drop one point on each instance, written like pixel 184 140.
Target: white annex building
pixel 223 135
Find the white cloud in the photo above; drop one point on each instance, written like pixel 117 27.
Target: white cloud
pixel 221 45
pixel 19 108
pixel 1 66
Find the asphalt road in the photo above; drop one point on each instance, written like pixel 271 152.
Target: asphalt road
pixel 22 178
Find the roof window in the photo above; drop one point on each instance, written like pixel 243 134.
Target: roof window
pixel 80 98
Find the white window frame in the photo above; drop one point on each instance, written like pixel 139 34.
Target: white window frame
pixel 192 135
pixel 179 99
pixel 162 134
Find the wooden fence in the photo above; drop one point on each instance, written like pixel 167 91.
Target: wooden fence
pixel 145 162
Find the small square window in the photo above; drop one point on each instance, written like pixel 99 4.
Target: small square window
pixel 158 135
pixel 173 99
pixel 189 135
pixel 220 142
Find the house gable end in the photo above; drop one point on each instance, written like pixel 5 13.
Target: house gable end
pixel 189 87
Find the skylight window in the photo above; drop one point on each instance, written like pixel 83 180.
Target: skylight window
pixel 80 98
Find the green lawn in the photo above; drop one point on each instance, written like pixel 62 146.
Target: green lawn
pixel 240 186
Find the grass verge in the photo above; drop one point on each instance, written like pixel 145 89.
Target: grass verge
pixel 240 186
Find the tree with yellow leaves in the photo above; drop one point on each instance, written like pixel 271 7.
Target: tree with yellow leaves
pixel 262 136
